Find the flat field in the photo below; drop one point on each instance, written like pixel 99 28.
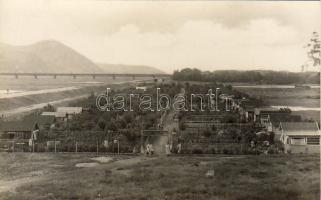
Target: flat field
pixel 286 96
pixel 294 98
pixel 56 176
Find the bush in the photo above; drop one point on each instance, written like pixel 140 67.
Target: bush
pixel 225 151
pixel 272 151
pixel 197 151
pixel 254 152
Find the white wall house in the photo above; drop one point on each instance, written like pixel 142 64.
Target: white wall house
pixel 64 113
pixel 143 88
pixel 300 137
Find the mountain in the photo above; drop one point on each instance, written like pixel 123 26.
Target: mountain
pixel 44 57
pixel 129 69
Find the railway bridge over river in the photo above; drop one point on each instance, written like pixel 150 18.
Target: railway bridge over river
pixel 93 75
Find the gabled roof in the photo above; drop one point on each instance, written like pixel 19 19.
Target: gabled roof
pixel 276 118
pixel 48 113
pixel 54 114
pixel 69 110
pixel 269 110
pixel 29 123
pixel 60 114
pixel 300 128
pixel 17 126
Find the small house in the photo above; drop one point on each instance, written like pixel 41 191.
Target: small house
pixel 23 129
pixel 300 137
pixel 143 88
pixel 17 130
pixel 270 118
pixel 63 114
pixel 59 116
pixel 69 111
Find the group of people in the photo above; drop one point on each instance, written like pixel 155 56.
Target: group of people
pixel 149 150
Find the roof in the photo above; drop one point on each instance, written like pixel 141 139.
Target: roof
pixel 276 118
pixel 17 126
pixel 54 114
pixel 69 110
pixel 49 113
pixel 29 123
pixel 60 114
pixel 300 128
pixel 269 110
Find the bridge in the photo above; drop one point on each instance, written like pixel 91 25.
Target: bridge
pixel 75 75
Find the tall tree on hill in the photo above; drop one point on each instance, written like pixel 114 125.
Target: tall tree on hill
pixel 314 52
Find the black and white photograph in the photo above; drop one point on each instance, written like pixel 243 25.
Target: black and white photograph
pixel 160 100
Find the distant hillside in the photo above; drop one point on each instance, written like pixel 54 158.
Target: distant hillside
pixel 122 69
pixel 46 56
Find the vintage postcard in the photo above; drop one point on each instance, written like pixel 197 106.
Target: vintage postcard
pixel 159 100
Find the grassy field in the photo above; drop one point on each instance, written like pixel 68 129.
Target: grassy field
pixel 309 98
pixel 286 96
pixel 54 176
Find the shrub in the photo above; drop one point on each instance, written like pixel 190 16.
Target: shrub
pixel 225 151
pixel 197 151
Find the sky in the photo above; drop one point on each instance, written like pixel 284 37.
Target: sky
pixel 170 35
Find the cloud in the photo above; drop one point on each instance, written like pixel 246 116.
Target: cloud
pixel 263 43
pixel 210 35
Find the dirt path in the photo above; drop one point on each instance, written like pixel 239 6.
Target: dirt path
pixel 19 110
pixel 46 91
pixel 25 109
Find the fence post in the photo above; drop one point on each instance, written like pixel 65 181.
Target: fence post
pixel 13 146
pixel 76 146
pixel 97 147
pixel 141 142
pixel 118 145
pixel 55 147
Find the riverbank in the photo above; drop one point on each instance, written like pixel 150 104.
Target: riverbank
pixel 33 100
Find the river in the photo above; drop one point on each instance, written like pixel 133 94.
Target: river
pixel 273 86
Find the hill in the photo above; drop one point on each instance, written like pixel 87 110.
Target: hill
pixel 44 57
pixel 124 69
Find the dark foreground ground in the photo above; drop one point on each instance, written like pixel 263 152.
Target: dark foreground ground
pixel 55 176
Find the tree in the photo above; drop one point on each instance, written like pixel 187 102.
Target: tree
pixel 49 108
pixel 101 124
pixel 111 125
pixel 314 49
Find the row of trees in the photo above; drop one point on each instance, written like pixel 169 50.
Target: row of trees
pixel 256 77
